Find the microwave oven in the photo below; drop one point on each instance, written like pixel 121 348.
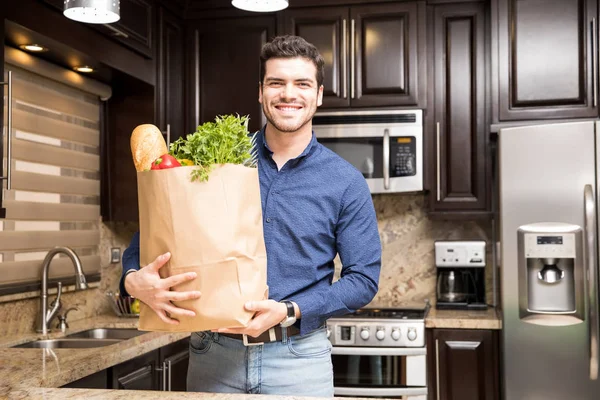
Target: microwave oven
pixel 385 146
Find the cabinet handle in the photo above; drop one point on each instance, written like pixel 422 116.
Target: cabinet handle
pixel 352 51
pixel 167 133
pixel 344 58
pixel 594 64
pixel 164 376
pixel 117 32
pixel 438 165
pixel 437 368
pixel 169 373
pixel 386 159
pixel 8 176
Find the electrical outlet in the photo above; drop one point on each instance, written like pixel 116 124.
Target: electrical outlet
pixel 115 255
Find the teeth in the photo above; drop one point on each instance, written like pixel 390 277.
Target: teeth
pixel 289 108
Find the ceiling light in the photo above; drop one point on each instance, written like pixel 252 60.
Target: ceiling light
pixel 84 68
pixel 260 5
pixel 92 11
pixel 33 47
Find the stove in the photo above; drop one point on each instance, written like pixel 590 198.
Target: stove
pixel 379 327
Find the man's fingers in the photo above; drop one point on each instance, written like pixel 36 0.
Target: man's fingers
pixel 173 310
pixel 180 296
pixel 163 316
pixel 160 261
pixel 175 280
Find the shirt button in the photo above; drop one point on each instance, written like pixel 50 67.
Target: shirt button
pixel 268 219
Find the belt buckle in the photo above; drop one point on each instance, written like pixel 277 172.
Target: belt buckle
pixel 247 344
pixel 272 338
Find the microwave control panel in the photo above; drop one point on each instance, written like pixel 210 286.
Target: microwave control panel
pixel 403 156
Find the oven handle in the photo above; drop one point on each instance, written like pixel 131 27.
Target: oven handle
pixel 379 351
pixel 379 392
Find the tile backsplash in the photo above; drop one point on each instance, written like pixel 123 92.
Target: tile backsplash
pixel 407 274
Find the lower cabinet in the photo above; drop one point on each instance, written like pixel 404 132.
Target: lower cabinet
pixel 163 369
pixel 463 364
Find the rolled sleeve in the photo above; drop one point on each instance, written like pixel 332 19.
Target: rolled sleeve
pixel 131 261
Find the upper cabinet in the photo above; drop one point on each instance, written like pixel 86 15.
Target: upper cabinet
pixel 457 128
pixel 134 29
pixel 225 68
pixel 170 69
pixel 374 54
pixel 547 59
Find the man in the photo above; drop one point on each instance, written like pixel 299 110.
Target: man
pixel 315 205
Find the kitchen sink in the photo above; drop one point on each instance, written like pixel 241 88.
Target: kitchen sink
pixel 107 333
pixel 68 343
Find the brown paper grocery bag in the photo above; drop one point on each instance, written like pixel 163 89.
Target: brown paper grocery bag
pixel 213 228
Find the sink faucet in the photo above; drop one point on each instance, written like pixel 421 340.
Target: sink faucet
pixel 47 315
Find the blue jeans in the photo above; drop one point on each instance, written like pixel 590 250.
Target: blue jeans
pixel 296 366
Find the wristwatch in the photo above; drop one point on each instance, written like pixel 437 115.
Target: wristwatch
pixel 290 319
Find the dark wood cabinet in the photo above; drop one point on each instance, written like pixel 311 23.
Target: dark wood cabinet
pixel 462 364
pixel 458 164
pixel 547 59
pixel 134 29
pixel 170 110
pixel 137 374
pixel 99 380
pixel 174 359
pixel 225 68
pixel 373 53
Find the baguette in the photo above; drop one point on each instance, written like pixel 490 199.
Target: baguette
pixel 147 144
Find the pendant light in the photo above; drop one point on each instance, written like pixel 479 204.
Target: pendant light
pixel 260 5
pixel 92 11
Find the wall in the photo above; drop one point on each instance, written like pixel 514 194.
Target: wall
pixel 407 276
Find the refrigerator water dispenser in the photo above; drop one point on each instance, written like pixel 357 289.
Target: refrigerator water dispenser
pixel 551 274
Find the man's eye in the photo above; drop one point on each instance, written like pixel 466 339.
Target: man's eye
pixel 275 84
pixel 304 84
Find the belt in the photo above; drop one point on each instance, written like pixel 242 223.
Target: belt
pixel 274 334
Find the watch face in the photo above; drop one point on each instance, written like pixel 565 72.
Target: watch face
pixel 288 322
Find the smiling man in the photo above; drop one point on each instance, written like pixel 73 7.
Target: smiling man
pixel 315 205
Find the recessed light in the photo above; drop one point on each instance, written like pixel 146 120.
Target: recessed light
pixel 33 47
pixel 84 68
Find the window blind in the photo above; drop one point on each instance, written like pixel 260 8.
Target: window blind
pixel 55 196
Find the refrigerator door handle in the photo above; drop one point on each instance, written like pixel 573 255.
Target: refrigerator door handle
pixel 591 261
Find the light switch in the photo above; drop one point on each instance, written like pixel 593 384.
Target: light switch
pixel 115 255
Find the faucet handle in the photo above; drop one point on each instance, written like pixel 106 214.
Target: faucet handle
pixel 55 303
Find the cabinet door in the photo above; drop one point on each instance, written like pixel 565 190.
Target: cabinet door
pixel 459 176
pixel 137 374
pixel 327 29
pixel 465 364
pixel 387 56
pixel 174 358
pixel 99 380
pixel 546 66
pixel 226 68
pixel 170 71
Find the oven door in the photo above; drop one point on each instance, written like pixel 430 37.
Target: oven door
pixel 380 372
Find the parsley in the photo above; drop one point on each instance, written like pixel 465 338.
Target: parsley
pixel 225 141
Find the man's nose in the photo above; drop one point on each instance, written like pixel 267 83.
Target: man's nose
pixel 288 92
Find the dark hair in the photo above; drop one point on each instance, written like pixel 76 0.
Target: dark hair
pixel 289 46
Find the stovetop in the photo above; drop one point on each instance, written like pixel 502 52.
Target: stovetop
pixel 388 313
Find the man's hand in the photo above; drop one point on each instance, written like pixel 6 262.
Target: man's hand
pixel 147 285
pixel 268 314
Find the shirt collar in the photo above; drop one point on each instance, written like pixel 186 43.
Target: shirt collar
pixel 312 146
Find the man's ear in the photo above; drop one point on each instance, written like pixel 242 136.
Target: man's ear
pixel 260 92
pixel 320 96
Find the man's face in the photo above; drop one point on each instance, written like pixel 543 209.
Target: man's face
pixel 289 94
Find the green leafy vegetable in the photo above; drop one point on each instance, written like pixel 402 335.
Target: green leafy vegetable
pixel 225 141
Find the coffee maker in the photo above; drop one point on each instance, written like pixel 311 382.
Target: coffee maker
pixel 460 275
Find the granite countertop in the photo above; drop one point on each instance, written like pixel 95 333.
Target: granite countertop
pixel 464 319
pixel 60 394
pixel 29 368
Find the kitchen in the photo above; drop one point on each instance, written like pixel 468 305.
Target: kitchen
pixel 171 63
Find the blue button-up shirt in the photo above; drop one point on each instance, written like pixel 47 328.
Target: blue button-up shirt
pixel 316 206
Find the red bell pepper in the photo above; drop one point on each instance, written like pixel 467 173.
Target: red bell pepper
pixel 165 161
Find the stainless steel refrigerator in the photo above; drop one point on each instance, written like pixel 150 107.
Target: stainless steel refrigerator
pixel 548 192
